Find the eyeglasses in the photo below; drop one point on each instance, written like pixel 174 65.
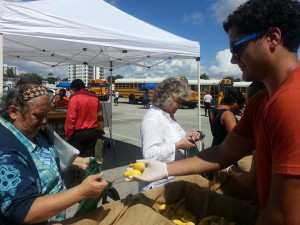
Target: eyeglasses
pixel 237 47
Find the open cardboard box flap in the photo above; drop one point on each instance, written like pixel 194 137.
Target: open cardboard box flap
pixel 142 208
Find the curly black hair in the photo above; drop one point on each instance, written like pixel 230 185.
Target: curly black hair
pixel 259 15
pixel 233 96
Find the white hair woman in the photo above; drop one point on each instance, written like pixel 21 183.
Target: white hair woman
pixel 31 185
pixel 162 137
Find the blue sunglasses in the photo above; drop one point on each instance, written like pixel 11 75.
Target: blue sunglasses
pixel 237 47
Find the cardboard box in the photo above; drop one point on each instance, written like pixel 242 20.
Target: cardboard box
pixel 142 208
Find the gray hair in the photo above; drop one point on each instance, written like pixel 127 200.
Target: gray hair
pixel 16 96
pixel 168 90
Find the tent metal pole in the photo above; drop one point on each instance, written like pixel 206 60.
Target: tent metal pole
pixel 110 119
pixel 1 64
pixel 199 96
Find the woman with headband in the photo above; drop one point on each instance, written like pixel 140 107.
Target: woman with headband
pixel 31 185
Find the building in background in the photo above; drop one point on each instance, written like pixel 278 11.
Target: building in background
pixel 13 68
pixel 85 73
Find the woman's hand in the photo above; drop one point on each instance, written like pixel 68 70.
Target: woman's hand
pixel 92 186
pixel 184 144
pixel 82 162
pixel 195 136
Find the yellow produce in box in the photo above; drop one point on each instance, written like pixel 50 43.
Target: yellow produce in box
pixel 162 207
pixel 189 220
pixel 189 223
pixel 140 166
pixel 129 173
pixel 178 222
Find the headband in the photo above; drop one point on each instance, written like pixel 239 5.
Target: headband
pixel 34 92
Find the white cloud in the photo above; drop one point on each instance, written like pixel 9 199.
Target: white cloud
pixel 222 66
pixel 38 68
pixel 175 68
pixel 222 8
pixel 194 18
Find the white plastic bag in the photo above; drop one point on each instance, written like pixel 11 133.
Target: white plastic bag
pixel 67 153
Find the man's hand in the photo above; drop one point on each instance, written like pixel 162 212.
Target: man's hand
pixel 155 170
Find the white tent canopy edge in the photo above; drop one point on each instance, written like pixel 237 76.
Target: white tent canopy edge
pixel 91 32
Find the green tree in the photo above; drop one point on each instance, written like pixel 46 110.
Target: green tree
pixel 32 75
pixel 230 78
pixel 65 79
pixel 51 80
pixel 237 79
pixel 204 76
pixel 114 78
pixel 10 72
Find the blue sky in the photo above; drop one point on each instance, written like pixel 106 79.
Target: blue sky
pixel 197 20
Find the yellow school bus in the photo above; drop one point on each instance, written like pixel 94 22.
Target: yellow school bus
pixel 241 86
pixel 100 87
pixel 206 86
pixel 132 89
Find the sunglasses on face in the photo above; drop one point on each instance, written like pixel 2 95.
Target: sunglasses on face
pixel 237 47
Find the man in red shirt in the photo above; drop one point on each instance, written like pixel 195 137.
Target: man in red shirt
pixel 264 40
pixel 81 120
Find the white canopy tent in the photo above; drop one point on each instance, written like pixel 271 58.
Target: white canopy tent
pixel 90 32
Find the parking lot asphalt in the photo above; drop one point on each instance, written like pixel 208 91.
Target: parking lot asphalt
pixel 125 127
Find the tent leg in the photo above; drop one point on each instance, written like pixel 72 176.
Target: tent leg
pixel 199 97
pixel 111 141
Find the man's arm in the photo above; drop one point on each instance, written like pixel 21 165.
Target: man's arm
pixel 71 118
pixel 284 200
pixel 218 157
pixel 231 150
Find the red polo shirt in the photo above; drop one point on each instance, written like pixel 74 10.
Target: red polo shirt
pixel 83 110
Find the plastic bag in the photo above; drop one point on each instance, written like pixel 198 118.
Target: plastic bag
pixel 194 151
pixel 90 204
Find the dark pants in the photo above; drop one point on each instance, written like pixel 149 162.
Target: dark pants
pixel 207 107
pixel 116 100
pixel 84 141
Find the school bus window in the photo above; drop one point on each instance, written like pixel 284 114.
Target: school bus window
pixel 204 88
pixel 194 87
pixel 243 89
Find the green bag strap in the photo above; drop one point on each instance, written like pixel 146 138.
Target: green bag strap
pixel 90 204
